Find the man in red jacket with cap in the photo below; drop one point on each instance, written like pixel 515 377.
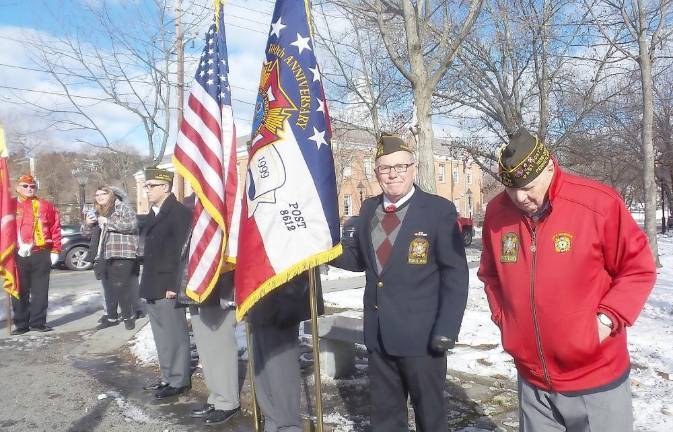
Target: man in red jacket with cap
pixel 38 227
pixel 566 270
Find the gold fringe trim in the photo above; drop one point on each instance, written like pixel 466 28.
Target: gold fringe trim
pixel 279 279
pixel 9 284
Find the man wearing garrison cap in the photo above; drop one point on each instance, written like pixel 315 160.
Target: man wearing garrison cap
pixel 411 248
pixel 566 270
pixel 166 229
pixel 38 227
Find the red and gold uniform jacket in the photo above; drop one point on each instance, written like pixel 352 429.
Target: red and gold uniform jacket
pixel 38 222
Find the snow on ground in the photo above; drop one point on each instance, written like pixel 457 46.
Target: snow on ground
pixel 650 343
pixel 479 351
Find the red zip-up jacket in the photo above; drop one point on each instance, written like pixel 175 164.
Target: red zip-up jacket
pixel 547 281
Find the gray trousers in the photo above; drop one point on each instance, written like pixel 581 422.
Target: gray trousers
pixel 543 411
pixel 277 376
pixel 171 336
pixel 214 331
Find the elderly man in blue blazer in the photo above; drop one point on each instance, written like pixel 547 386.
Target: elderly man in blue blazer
pixel 410 246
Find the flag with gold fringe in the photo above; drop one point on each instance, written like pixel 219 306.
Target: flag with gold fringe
pixel 205 155
pixel 289 221
pixel 8 271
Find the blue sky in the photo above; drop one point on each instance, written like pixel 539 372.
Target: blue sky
pixel 247 26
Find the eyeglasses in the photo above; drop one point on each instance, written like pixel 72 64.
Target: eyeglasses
pixel 149 186
pixel 99 194
pixel 27 186
pixel 399 168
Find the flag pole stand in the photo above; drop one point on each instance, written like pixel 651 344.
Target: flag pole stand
pixel 256 418
pixel 316 349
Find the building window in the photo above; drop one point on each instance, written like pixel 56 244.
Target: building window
pixel 441 173
pixel 454 174
pixel 468 177
pixel 347 170
pixel 369 167
pixel 348 205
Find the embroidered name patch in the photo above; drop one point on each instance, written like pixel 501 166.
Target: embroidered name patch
pixel 562 242
pixel 510 248
pixel 418 251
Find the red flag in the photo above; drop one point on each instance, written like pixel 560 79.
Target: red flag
pixel 7 226
pixel 205 154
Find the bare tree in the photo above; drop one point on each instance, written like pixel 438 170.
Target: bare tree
pixel 526 66
pixel 637 29
pixel 126 63
pixel 366 90
pixel 422 39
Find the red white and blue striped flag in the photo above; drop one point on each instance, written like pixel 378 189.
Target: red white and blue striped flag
pixel 205 155
pixel 289 221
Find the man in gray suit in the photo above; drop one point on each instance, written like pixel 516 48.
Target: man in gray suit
pixel 214 325
pixel 166 231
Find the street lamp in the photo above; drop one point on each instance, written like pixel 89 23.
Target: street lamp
pixel 469 201
pixel 81 176
pixel 360 187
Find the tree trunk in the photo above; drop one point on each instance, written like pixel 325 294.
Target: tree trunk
pixel 649 181
pixel 424 137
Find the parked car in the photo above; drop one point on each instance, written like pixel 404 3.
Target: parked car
pixel 466 227
pixel 75 245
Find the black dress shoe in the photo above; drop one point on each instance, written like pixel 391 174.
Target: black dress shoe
pixel 169 391
pixel 19 331
pixel 106 323
pixel 220 416
pixel 42 328
pixel 156 386
pixel 203 411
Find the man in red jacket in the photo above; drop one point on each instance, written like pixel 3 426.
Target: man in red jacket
pixel 38 229
pixel 566 270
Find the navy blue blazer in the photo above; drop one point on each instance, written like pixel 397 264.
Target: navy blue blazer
pixel 422 290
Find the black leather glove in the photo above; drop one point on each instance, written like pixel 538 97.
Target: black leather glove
pixel 441 343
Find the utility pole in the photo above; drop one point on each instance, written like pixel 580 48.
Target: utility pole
pixel 179 181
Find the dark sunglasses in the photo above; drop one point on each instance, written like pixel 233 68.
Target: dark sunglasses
pixel 27 186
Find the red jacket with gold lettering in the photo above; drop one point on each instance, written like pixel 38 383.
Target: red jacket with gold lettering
pixel 547 281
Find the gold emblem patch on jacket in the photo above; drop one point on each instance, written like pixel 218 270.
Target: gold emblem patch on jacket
pixel 418 250
pixel 510 248
pixel 562 242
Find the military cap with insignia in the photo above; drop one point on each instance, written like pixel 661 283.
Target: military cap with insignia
pixel 390 144
pixel 154 173
pixel 522 159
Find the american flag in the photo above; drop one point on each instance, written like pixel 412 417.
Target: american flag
pixel 205 155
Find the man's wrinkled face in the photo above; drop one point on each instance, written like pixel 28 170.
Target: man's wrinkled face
pixel 531 197
pixel 26 189
pixel 396 172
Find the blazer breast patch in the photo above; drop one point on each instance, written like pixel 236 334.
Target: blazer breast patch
pixel 418 251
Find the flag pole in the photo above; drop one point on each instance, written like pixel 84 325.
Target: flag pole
pixel 316 349
pixel 251 373
pixel 9 314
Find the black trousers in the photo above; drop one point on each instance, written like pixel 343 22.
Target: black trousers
pixel 392 379
pixel 117 287
pixel 30 310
